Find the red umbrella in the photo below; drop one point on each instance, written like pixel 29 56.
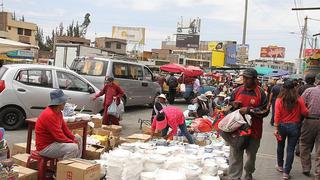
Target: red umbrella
pixel 174 68
pixel 193 71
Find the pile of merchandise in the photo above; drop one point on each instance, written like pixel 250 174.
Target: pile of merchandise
pixel 160 159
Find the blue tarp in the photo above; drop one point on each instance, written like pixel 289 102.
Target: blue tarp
pixel 277 73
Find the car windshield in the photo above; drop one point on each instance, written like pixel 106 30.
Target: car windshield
pixel 2 71
pixel 91 67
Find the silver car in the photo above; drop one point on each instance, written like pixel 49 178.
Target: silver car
pixel 136 79
pixel 25 91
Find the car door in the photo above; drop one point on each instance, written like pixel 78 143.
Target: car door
pixel 77 89
pixel 149 88
pixel 33 87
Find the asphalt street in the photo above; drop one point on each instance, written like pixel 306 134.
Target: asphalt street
pixel 266 159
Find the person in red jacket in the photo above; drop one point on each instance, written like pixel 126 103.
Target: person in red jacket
pixel 111 92
pixel 53 137
pixel 288 110
pixel 252 100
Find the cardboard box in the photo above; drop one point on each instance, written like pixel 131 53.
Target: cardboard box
pixel 13 176
pixel 114 141
pixel 22 159
pixel 101 132
pixel 78 169
pixel 20 148
pixel 97 122
pixel 93 152
pixel 147 130
pixel 140 137
pixel 114 129
pixel 26 173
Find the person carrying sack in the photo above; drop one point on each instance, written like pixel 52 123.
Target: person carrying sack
pixel 250 99
pixel 112 92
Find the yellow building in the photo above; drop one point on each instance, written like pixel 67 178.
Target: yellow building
pixel 21 31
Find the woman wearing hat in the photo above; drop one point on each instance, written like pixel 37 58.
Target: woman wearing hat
pixel 170 117
pixel 211 104
pixel 201 103
pixel 289 107
pixel 219 100
pixel 159 105
pixel 111 92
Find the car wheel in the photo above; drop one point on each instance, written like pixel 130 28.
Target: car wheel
pixel 12 118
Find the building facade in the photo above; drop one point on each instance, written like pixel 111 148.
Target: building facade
pixel 20 31
pixel 274 64
pixel 112 45
pixel 72 40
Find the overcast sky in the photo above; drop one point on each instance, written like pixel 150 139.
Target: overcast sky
pixel 269 21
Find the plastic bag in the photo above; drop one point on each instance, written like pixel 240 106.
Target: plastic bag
pixel 233 121
pixel 69 110
pixel 120 110
pixel 202 125
pixel 182 88
pixel 113 109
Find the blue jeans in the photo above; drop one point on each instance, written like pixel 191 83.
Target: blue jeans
pixel 184 131
pixel 291 132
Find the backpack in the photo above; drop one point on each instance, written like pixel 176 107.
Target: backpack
pixel 172 82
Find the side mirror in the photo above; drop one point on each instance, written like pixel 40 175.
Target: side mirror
pixel 91 90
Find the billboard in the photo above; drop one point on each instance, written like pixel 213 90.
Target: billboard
pixel 215 46
pixel 187 41
pixel 272 52
pixel 131 34
pixel 310 52
pixel 231 54
pixel 217 58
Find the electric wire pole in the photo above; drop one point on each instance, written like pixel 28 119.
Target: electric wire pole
pixel 303 40
pixel 245 23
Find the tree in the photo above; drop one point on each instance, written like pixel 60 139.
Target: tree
pixel 40 39
pixel 14 15
pixel 22 19
pixel 61 29
pixel 76 30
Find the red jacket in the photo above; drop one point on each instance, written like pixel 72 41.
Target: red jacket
pixel 254 99
pixel 283 116
pixel 50 128
pixel 110 91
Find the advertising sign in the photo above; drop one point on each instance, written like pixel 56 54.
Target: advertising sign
pixel 21 54
pixel 215 46
pixel 310 52
pixel 231 54
pixel 187 41
pixel 217 58
pixel 131 34
pixel 272 52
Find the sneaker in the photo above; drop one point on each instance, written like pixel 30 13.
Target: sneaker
pixel 285 176
pixel 307 173
pixel 279 168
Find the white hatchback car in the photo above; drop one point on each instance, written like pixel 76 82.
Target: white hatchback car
pixel 25 92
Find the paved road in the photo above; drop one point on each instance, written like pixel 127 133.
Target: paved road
pixel 266 159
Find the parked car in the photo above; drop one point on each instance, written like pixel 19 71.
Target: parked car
pixel 25 91
pixel 136 79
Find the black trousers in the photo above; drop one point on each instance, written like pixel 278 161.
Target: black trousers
pixel 172 95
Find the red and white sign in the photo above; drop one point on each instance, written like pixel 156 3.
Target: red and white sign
pixel 310 52
pixel 272 52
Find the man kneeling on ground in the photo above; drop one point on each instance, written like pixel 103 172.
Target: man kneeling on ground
pixel 53 137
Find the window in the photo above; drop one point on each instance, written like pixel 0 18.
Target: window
pixel 148 74
pixel 41 78
pixel 135 72
pixel 71 82
pixel 20 31
pixel 92 67
pixel 27 32
pixel 120 70
pixel 9 27
pixel 118 46
pixel 108 44
pixel 180 60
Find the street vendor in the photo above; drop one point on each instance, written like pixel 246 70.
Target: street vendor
pixel 112 92
pixel 170 117
pixel 219 100
pixel 159 105
pixel 211 103
pixel 53 137
pixel 201 103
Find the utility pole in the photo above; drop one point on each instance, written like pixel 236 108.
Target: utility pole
pixel 303 40
pixel 245 23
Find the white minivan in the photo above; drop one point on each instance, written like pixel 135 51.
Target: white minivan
pixel 134 78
